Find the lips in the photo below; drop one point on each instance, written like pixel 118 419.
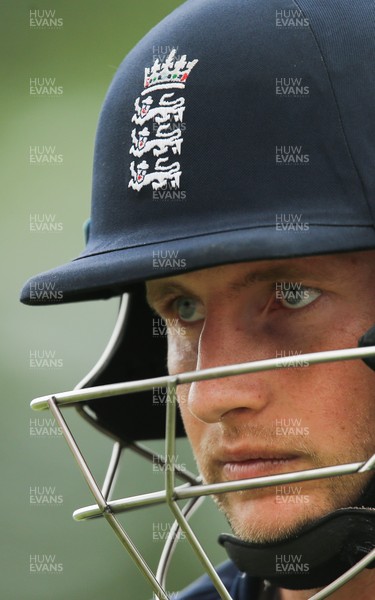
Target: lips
pixel 257 463
pixel 257 468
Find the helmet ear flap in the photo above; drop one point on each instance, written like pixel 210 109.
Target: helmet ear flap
pixel 136 354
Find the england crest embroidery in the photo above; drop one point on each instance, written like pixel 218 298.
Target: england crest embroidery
pixel 157 137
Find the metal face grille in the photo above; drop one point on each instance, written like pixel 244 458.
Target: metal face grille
pixel 192 491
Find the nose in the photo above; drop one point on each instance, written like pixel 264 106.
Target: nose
pixel 229 399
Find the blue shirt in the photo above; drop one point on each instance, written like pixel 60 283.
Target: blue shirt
pixel 239 585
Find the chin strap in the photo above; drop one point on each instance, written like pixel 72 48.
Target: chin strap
pixel 320 553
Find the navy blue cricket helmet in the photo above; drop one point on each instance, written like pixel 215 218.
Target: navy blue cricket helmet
pixel 228 118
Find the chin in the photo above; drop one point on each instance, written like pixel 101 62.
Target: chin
pixel 268 517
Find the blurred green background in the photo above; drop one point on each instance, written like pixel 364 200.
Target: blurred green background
pixel 81 55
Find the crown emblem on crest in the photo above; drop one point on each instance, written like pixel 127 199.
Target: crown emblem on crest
pixel 172 73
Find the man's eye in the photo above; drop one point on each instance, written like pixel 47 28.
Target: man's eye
pixel 188 309
pixel 295 296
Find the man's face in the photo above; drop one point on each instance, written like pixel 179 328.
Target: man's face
pixel 288 419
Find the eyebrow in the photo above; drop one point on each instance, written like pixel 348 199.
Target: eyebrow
pixel 273 274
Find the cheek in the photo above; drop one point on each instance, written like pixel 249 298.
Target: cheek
pixel 182 356
pixel 350 388
pixel 196 430
pixel 336 401
pixel 182 353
